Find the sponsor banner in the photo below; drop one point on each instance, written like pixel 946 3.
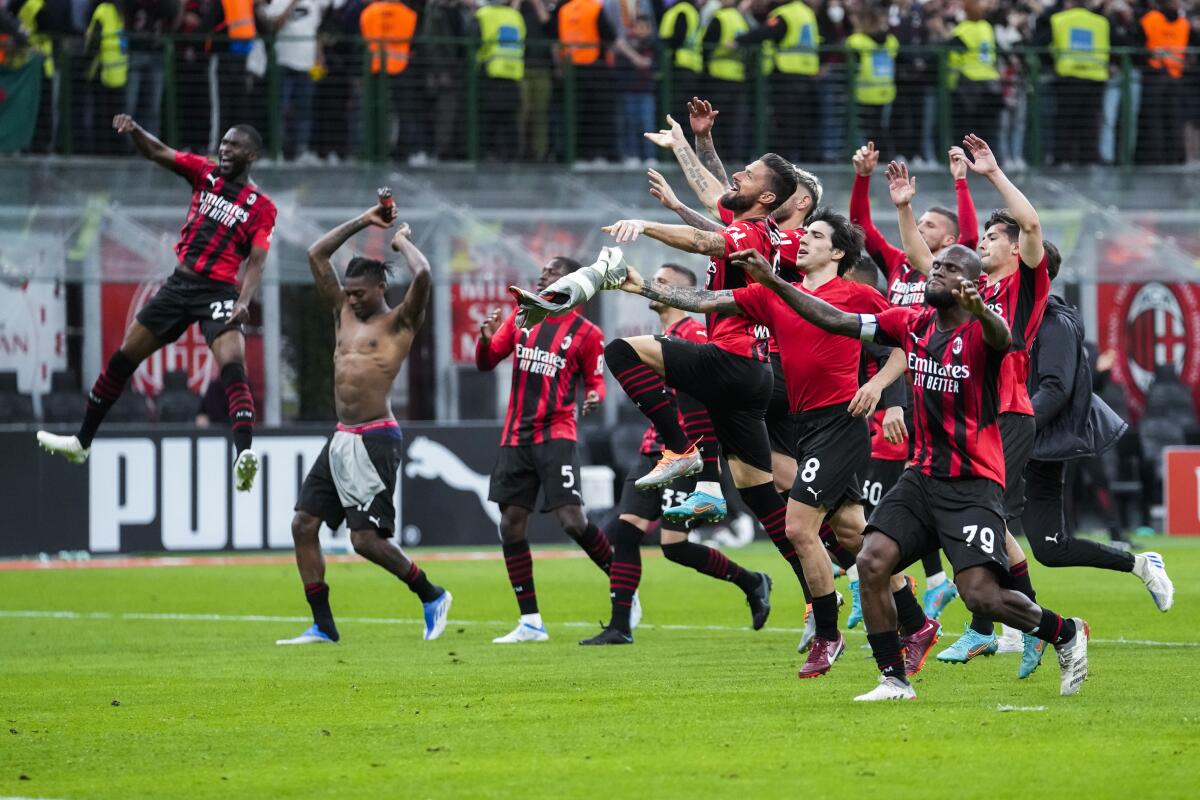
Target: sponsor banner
pixel 472 298
pixel 1150 326
pixel 1181 490
pixel 33 333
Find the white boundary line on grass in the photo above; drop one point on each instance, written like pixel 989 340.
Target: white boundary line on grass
pixel 170 617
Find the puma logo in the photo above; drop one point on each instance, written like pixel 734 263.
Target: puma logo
pixel 211 178
pixel 816 495
pixel 1053 539
pixel 434 461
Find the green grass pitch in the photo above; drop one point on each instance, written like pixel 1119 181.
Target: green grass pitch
pixel 140 695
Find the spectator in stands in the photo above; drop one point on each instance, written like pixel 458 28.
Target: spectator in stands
pixel 915 101
pixel 295 24
pixel 791 26
pixel 586 34
pixel 388 26
pixel 1079 42
pixel 679 32
pixel 875 50
pixel 1126 32
pixel 235 33
pixel 1160 123
pixel 537 87
pixel 108 68
pixel 1191 92
pixel 442 22
pixel 835 27
pixel 974 75
pixel 634 76
pixel 337 116
pixel 37 20
pixel 1012 32
pixel 193 60
pixel 727 81
pixel 500 56
pixel 146 23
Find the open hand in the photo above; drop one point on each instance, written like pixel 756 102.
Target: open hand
pixel 661 191
pixel 901 187
pixel 625 230
pixel 865 159
pixel 702 116
pixel 865 400
pixel 490 324
pixel 669 137
pixel 967 295
pixel 983 161
pixel 958 163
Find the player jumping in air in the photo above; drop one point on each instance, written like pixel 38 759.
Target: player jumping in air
pixel 354 478
pixel 230 222
pixel 951 494
pixel 640 509
pixel 537 446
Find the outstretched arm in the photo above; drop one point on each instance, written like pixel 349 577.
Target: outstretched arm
pixel 681 237
pixel 816 311
pixel 706 187
pixel 984 163
pixel 411 311
pixel 903 189
pixel 322 250
pixel 688 298
pixel 662 191
pixel 702 115
pixel 146 143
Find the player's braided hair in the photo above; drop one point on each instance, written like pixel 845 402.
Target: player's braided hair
pixel 369 268
pixel 781 178
pixel 846 237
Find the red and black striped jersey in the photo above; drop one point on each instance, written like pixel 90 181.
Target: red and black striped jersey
pixel 549 360
pixel 226 219
pixel 735 333
pixel 868 367
pixel 1020 298
pixel 695 421
pixel 956 392
pixel 787 246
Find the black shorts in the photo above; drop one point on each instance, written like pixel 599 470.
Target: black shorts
pixel 186 298
pixel 650 505
pixel 881 477
pixel 551 466
pixel 963 517
pixel 319 494
pixel 1017 435
pixel 781 428
pixel 736 390
pixel 833 450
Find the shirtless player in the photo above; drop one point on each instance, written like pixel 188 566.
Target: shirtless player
pixel 354 478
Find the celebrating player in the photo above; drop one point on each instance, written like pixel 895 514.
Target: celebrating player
pixel 230 222
pixel 640 509
pixel 354 478
pixel 537 446
pixel 950 496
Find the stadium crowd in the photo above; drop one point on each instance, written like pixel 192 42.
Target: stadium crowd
pixel 981 55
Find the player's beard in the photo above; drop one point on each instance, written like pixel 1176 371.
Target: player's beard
pixel 939 298
pixel 735 202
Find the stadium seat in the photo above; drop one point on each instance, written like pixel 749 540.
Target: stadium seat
pixel 64 401
pixel 130 407
pixel 176 403
pixel 15 407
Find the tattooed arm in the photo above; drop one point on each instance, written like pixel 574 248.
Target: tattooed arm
pixel 681 237
pixel 661 190
pixel 322 250
pixel 688 298
pixel 703 184
pixel 702 115
pixel 816 311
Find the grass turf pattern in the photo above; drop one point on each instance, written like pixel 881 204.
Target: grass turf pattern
pixel 164 686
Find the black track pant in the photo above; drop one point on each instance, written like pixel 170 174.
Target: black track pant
pixel 1045 528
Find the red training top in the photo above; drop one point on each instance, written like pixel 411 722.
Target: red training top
pixel 1020 298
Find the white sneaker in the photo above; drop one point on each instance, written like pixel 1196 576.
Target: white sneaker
pixel 1150 568
pixel 635 612
pixel 888 689
pixel 244 470
pixel 1072 658
pixel 1009 641
pixel 311 636
pixel 66 446
pixel 524 632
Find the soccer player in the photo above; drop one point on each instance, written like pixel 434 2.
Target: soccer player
pixel 950 496
pixel 354 478
pixel 939 227
pixel 230 222
pixel 1018 286
pixel 1071 424
pixel 640 509
pixel 537 445
pixel 731 374
pixel 821 371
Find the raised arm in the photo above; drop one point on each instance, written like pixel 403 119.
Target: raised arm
pixel 984 163
pixel 903 189
pixel 688 298
pixel 681 237
pixel 496 340
pixel 864 161
pixel 816 311
pixel 322 250
pixel 968 218
pixel 411 311
pixel 146 143
pixel 702 116
pixel 706 187
pixel 995 329
pixel 662 191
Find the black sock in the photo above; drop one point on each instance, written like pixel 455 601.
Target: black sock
pixel 710 561
pixel 241 405
pixel 771 511
pixel 1053 628
pixel 317 595
pixel 104 393
pixel 932 562
pixel 648 392
pixel 420 585
pixel 626 571
pixel 888 654
pixel 1020 580
pixel 519 563
pixel 825 613
pixel 843 557
pixel 596 545
pixel 908 610
pixel 983 625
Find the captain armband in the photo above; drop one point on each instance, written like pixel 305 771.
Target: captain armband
pixel 867 325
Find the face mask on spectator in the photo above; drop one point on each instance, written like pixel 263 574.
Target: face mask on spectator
pixel 836 14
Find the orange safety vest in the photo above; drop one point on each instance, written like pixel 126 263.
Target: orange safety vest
pixel 579 25
pixel 388 28
pixel 1162 34
pixel 239 18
